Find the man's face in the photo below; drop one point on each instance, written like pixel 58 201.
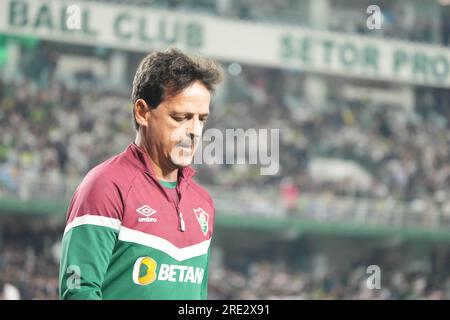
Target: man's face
pixel 174 128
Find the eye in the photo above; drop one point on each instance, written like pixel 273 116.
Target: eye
pixel 178 119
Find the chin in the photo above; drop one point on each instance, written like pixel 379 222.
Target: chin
pixel 181 163
pixel 181 159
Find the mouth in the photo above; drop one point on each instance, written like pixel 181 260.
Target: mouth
pixel 185 150
pixel 185 145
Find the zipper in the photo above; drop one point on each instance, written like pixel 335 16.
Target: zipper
pixel 181 224
pixel 180 216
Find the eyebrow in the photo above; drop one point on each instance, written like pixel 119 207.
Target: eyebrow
pixel 175 113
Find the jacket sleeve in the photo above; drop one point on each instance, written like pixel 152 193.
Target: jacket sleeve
pixel 204 289
pixel 93 221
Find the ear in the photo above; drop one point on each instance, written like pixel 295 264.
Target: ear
pixel 141 112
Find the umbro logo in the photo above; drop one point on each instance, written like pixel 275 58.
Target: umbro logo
pixel 146 211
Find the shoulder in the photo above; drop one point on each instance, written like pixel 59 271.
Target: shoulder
pixel 117 171
pixel 104 189
pixel 109 182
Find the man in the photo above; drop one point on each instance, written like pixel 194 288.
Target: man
pixel 138 226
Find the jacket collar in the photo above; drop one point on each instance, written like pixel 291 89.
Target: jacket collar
pixel 139 157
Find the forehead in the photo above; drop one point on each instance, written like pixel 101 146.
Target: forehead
pixel 194 99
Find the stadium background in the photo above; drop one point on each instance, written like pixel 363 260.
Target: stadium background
pixel 364 137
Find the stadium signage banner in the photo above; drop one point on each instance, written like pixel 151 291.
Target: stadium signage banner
pixel 366 57
pixel 145 29
pixel 94 23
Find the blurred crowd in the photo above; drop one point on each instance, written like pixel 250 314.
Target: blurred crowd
pixel 29 261
pixel 51 135
pixel 264 280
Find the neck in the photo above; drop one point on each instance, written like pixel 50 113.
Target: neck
pixel 164 173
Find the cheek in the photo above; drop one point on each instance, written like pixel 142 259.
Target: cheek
pixel 178 134
pixel 162 136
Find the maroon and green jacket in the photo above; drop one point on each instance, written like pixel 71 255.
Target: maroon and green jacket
pixel 126 238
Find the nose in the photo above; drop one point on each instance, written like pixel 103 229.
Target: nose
pixel 195 128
